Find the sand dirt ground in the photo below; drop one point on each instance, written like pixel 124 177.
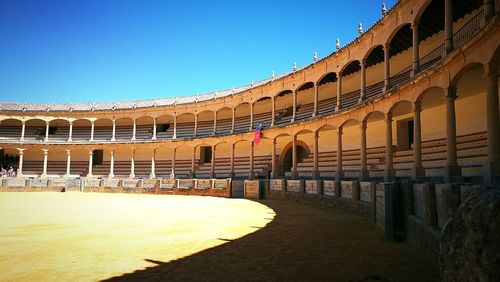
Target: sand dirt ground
pixel 89 237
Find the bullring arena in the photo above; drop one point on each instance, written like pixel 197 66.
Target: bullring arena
pixel 378 142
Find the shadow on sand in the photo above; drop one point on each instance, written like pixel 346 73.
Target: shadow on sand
pixel 302 243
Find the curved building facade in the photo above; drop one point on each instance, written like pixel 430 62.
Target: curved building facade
pixel 415 96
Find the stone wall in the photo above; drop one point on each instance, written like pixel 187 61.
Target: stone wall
pixel 201 187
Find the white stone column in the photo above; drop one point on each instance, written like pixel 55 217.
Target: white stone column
pixel 91 155
pixel 250 171
pixel 339 92
pixel 113 132
pixel 68 163
pixel 233 120
pixel 70 135
pixel 315 172
pixel 47 126
pixel 23 129
pixel 154 129
pixel 251 117
pixel 231 165
pixel 215 123
pixel 418 170
pixel 111 164
pixel 195 124
pixel 21 158
pixel 132 165
pixel 448 26
pixel 363 174
pixel 175 127
pixel 451 168
pixel 153 170
pixel 340 172
pixel 387 67
pixel 416 49
pixel 316 95
pixel 273 158
pixel 92 131
pixel 389 170
pixel 173 159
pixel 45 159
pixel 294 97
pixel 134 129
pixel 193 159
pixel 273 110
pixel 212 164
pixel 362 95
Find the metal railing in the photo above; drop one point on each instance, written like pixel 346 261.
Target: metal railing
pixel 471 28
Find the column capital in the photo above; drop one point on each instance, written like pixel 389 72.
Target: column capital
pixel 68 151
pixel 45 151
pixel 490 68
pixel 417 106
pixel 451 92
pixel 91 152
pixel 362 124
pixel 387 47
pixel 339 130
pixel 415 24
pixel 362 62
pixel 388 118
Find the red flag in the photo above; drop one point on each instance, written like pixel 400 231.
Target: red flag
pixel 256 140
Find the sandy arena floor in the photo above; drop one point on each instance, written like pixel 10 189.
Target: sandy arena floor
pixel 92 236
pixel 89 236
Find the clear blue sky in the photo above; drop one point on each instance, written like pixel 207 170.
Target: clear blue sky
pixel 106 50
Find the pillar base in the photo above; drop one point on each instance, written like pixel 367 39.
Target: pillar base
pixel 491 173
pixel 364 175
pixel 152 176
pixel 451 171
pixel 337 108
pixel 111 176
pixel 67 175
pixel 113 139
pixel 417 172
pixel 131 176
pixel 386 89
pixel 389 174
pixel 70 140
pixel 153 138
pixel 89 175
pixel 133 139
pixel 43 175
pixel 339 175
pixel 174 136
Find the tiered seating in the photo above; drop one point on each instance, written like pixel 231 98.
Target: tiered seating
pixel 374 90
pixel 142 169
pixel 224 126
pixel 241 124
pixel 241 167
pixel 54 168
pixel 350 99
pixel 10 132
pixel 327 106
pixel 471 153
pixel 401 78
pixel 351 162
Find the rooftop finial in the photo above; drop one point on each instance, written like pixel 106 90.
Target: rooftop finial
pixel 315 56
pixel 251 83
pixel 337 44
pixel 384 9
pixel 360 28
pixel 294 67
pixel 273 75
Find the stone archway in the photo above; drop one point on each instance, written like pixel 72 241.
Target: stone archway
pixel 285 157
